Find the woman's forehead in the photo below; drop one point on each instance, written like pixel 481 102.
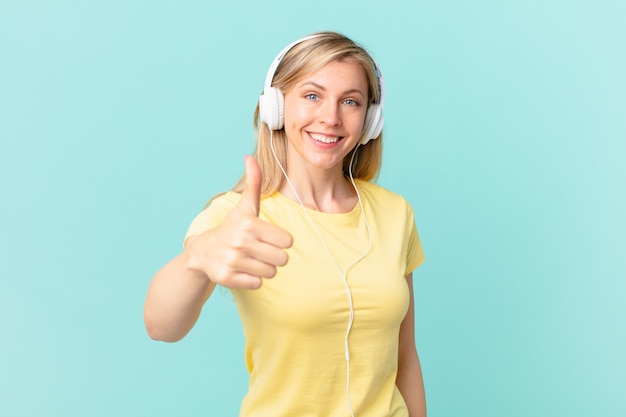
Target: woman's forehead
pixel 347 74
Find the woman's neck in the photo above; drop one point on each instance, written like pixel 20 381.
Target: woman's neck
pixel 322 191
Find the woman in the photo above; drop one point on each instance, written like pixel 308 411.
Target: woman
pixel 319 264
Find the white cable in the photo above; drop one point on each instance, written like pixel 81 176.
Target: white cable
pixel 342 273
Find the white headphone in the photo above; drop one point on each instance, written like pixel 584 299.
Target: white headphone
pixel 272 101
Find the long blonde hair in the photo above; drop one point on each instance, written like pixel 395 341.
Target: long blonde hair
pixel 302 60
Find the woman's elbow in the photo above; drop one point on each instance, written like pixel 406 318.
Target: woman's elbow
pixel 160 331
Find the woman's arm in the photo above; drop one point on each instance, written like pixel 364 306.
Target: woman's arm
pixel 409 379
pixel 238 253
pixel 175 298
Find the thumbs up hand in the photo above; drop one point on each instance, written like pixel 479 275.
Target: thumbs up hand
pixel 243 250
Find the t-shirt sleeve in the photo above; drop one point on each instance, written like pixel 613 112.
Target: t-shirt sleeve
pixel 415 255
pixel 213 215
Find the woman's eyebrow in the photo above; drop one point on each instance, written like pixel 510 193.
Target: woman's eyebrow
pixel 321 87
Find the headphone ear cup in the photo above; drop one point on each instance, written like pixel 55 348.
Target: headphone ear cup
pixel 272 108
pixel 373 124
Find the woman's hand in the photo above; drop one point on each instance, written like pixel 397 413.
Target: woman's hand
pixel 243 250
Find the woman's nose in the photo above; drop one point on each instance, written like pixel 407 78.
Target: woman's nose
pixel 329 114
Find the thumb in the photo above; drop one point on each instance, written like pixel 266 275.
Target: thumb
pixel 251 195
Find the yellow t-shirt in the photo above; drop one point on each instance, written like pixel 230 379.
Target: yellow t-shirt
pixel 295 324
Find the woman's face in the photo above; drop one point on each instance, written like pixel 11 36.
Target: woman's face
pixel 324 114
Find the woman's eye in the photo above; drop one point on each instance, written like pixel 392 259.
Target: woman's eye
pixel 311 96
pixel 351 102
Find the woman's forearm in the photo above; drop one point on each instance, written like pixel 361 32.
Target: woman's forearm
pixel 174 300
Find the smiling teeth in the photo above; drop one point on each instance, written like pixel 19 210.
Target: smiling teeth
pixel 324 139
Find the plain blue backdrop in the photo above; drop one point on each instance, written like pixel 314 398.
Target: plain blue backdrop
pixel 505 128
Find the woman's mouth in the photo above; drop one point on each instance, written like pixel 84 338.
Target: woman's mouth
pixel 324 139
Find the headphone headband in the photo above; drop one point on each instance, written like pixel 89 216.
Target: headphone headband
pixel 272 70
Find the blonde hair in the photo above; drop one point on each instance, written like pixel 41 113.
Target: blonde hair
pixel 302 60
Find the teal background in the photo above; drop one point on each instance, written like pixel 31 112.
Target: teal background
pixel 505 128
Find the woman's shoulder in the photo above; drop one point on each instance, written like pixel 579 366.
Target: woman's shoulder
pixel 379 193
pixel 214 213
pixel 226 200
pixel 217 208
